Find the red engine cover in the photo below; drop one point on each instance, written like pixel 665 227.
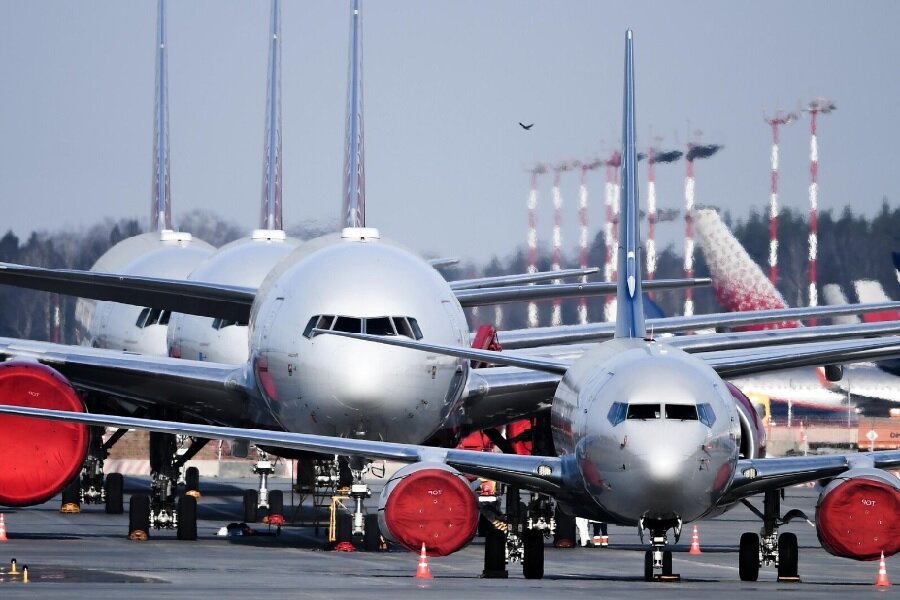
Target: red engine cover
pixel 39 457
pixel 859 517
pixel 433 506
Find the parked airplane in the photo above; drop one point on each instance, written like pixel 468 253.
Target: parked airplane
pixel 645 434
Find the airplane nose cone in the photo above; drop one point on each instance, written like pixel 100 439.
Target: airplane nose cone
pixel 664 467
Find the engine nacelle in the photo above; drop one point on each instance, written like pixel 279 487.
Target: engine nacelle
pixel 753 434
pixel 39 456
pixel 858 515
pixel 431 504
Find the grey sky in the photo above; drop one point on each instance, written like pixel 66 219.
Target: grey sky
pixel 445 84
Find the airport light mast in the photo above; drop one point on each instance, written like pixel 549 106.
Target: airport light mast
pixel 556 315
pixel 694 152
pixel 655 156
pixel 610 229
pixel 538 169
pixel 775 123
pixel 583 241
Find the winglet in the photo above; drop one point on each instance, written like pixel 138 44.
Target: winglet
pixel 629 302
pixel 271 195
pixel 354 202
pixel 161 211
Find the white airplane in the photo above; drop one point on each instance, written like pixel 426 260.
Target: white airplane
pixel 645 434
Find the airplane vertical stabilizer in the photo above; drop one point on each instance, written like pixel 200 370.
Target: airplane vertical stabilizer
pixel 354 201
pixel 629 303
pixel 271 194
pixel 161 211
pixel 834 295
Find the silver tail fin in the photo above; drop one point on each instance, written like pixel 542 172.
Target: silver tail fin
pixel 271 195
pixel 161 211
pixel 354 201
pixel 629 301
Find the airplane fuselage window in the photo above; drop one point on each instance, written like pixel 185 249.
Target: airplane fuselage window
pixel 644 412
pixel 683 412
pixel 405 326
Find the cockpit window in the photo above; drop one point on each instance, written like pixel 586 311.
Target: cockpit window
pixel 682 412
pixel 152 316
pixel 644 412
pixel 405 326
pixel 348 324
pixel 142 318
pixel 380 326
pixel 417 333
pixel 223 323
pixel 617 413
pixel 707 414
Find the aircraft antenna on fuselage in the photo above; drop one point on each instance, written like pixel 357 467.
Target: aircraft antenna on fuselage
pixel 161 211
pixel 271 195
pixel 629 300
pixel 354 201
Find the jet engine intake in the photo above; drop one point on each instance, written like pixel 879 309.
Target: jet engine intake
pixel 39 457
pixel 431 504
pixel 858 515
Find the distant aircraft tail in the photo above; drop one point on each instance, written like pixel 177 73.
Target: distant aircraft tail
pixel 738 282
pixel 629 304
pixel 354 201
pixel 271 195
pixel 161 211
pixel 868 290
pixel 835 296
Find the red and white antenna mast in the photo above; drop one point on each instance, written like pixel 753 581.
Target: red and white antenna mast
pixel 655 156
pixel 694 152
pixel 538 169
pixel 556 315
pixel 775 122
pixel 610 230
pixel 824 106
pixel 583 241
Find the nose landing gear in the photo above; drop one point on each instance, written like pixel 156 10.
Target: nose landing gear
pixel 658 560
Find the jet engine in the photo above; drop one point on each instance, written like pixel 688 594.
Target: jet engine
pixel 753 434
pixel 858 515
pixel 431 504
pixel 38 457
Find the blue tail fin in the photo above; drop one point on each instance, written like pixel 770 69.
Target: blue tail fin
pixel 161 211
pixel 354 201
pixel 271 196
pixel 630 309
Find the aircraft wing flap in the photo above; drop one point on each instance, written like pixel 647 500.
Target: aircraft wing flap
pixel 190 297
pixel 210 391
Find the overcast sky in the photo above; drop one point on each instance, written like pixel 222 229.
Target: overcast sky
pixel 445 84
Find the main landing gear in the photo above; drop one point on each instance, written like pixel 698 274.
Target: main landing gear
pixel 769 547
pixel 658 560
pixel 164 508
pixel 518 535
pixel 91 487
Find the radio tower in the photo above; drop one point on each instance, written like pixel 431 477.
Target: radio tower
pixel 583 237
pixel 556 317
pixel 653 157
pixel 610 229
pixel 824 106
pixel 694 152
pixel 538 169
pixel 775 122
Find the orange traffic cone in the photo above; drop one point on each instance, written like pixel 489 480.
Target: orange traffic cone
pixel 695 543
pixel 882 580
pixel 423 572
pixel 2 528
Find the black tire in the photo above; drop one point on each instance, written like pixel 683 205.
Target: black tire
pixel 748 557
pixel 71 494
pixel 276 502
pixel 565 529
pixel 372 537
pixel 344 527
pixel 187 517
pixel 139 513
pixel 788 555
pixel 494 552
pixel 251 500
pixel 667 562
pixel 533 560
pixel 648 566
pixel 192 479
pixel 115 484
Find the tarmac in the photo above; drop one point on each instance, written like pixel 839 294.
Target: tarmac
pixel 87 555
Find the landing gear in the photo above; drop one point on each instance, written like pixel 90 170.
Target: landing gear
pixel 89 487
pixel 114 491
pixel 533 554
pixel 768 547
pixel 658 560
pixel 261 498
pixel 251 502
pixel 167 510
pixel 139 517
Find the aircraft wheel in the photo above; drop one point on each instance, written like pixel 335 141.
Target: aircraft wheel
pixel 139 514
pixel 344 527
pixel 648 566
pixel 71 494
pixel 565 530
pixel 788 555
pixel 276 502
pixel 192 479
pixel 114 493
pixel 494 552
pixel 667 562
pixel 372 537
pixel 251 499
pixel 187 517
pixel 748 557
pixel 533 560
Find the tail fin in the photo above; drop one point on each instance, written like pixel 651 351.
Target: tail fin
pixel 161 211
pixel 835 296
pixel 271 195
pixel 354 204
pixel 629 303
pixel 869 290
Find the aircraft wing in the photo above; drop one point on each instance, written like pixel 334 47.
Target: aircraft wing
pixel 503 280
pixel 538 473
pixel 525 293
pixel 190 297
pixel 209 391
pixel 596 332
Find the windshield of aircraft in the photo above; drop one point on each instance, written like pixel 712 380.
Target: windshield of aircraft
pixel 405 326
pixel 152 316
pixel 621 411
pixel 222 323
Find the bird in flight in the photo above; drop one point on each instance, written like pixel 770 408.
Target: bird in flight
pixel 525 127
